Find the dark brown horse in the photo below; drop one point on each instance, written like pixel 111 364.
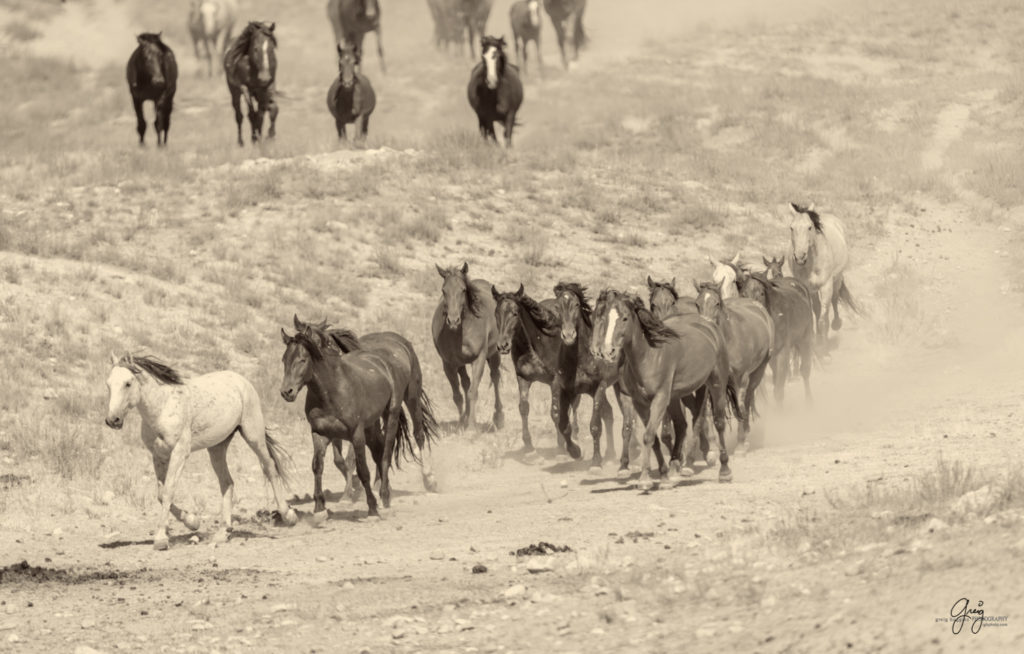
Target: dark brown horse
pixel 250 65
pixel 665 300
pixel 567 17
pixel 495 91
pixel 466 336
pixel 351 98
pixel 348 393
pixel 661 363
pixel 525 18
pixel 352 19
pixel 153 75
pixel 528 332
pixel 791 311
pixel 749 336
pixel 579 372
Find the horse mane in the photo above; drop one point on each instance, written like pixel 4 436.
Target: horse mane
pixel 665 285
pixel 580 292
pixel 546 322
pixel 655 331
pixel 304 339
pixel 240 47
pixel 159 370
pixel 345 339
pixel 154 39
pixel 811 213
pixel 474 299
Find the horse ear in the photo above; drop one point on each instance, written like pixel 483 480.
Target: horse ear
pixel 721 286
pixel 440 271
pixel 272 25
pixel 521 291
pixel 284 336
pixel 783 260
pixel 673 282
pixel 113 359
pixel 764 259
pixel 736 259
pixel 502 41
pixel 650 282
pixel 338 46
pixel 696 285
pixel 299 325
pixel 139 39
pixel 495 293
pixel 794 208
pixel 465 267
pixel 810 208
pixel 130 358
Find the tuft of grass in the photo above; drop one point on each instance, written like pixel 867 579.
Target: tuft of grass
pixel 901 318
pixel 388 263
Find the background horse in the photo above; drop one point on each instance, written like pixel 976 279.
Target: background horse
pixel 153 75
pixel 352 19
pixel 528 332
pixel 818 257
pixel 208 22
pixel 665 300
pixel 473 15
pixel 351 98
pixel 525 18
pixel 250 65
pixel 566 16
pixel 180 417
pixel 495 90
pixel 465 334
pixel 727 274
pixel 448 23
pixel 661 363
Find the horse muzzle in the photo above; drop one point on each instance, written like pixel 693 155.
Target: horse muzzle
pixel 453 323
pixel 114 422
pixel 504 347
pixel 568 336
pixel 289 394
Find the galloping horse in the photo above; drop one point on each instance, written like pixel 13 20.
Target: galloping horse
pixel 661 363
pixel 749 335
pixel 465 334
pixel 153 75
pixel 250 65
pixel 180 417
pixel 208 22
pixel 352 19
pixel 525 18
pixel 351 98
pixel 819 258
pixel 567 15
pixel 495 91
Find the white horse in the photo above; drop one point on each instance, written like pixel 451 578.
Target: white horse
pixel 180 417
pixel 724 273
pixel 208 22
pixel 818 257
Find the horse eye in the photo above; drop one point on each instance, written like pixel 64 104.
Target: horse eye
pixel 128 383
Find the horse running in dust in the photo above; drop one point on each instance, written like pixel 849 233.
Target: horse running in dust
pixel 351 20
pixel 153 75
pixel 525 18
pixel 818 257
pixel 250 65
pixel 181 416
pixel 351 98
pixel 495 91
pixel 567 17
pixel 210 21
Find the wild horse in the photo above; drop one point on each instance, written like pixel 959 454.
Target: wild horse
pixel 250 66
pixel 153 75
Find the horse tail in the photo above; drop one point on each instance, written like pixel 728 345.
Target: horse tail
pixel 283 463
pixel 733 397
pixel 430 427
pixel 847 298
pixel 403 444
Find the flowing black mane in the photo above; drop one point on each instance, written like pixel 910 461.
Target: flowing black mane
pixel 580 292
pixel 345 339
pixel 544 319
pixel 811 213
pixel 153 39
pixel 153 366
pixel 655 331
pixel 240 47
pixel 305 339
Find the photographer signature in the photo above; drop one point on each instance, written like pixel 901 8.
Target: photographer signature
pixel 961 613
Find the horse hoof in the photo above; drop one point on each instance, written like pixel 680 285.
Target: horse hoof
pixel 725 476
pixel 837 324
pixel 430 484
pixel 686 471
pixel 291 517
pixel 624 473
pixel 645 484
pixel 219 537
pixel 191 520
pixel 499 422
pixel 318 517
pixel 160 544
pixel 574 450
pixel 594 469
pixel 673 472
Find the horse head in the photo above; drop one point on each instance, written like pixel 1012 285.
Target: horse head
pixel 152 54
pixel 262 51
pixel 456 294
pixel 368 9
pixel 755 287
pixel 612 315
pixel 534 8
pixel 572 307
pixel 726 274
pixel 506 315
pixel 492 51
pixel 804 224
pixel 348 63
pixel 207 10
pixel 709 299
pixel 663 296
pixel 300 351
pixel 122 390
pixel 773 266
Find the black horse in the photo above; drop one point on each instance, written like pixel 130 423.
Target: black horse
pixel 250 65
pixel 567 15
pixel 495 90
pixel 351 98
pixel 153 75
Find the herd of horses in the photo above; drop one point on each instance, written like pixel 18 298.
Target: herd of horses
pixel 705 354
pixel 495 90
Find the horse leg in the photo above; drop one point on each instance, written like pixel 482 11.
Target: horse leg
pixel 780 363
pixel 364 127
pixel 320 443
pixel 359 444
pixel 272 109
pixel 837 286
pixel 452 375
pixel 255 119
pixel 254 430
pixel 753 384
pixel 524 411
pixel 415 405
pixel 175 464
pixel 384 465
pixel 188 518
pixel 476 374
pixel 340 124
pixel 743 417
pixel 380 51
pixel 608 423
pixel 806 352
pixel 655 413
pixel 560 34
pixel 346 466
pixel 209 55
pixel 140 119
pixel 678 420
pixel 825 297
pixel 627 411
pixel 219 460
pixel 494 363
pixel 718 391
pixel 236 103
pixel 510 122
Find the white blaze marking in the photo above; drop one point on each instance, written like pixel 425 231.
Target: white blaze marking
pixel 534 13
pixel 613 319
pixel 266 56
pixel 491 62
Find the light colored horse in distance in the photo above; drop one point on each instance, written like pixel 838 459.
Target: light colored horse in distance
pixel 208 22
pixel 818 258
pixel 181 416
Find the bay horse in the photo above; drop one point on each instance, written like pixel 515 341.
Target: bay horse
pixel 181 416
pixel 250 66
pixel 749 336
pixel 473 15
pixel 495 91
pixel 579 373
pixel 665 300
pixel 818 257
pixel 352 19
pixel 793 316
pixel 210 21
pixel 153 75
pixel 567 17
pixel 466 336
pixel 525 18
pixel 661 363
pixel 528 333
pixel 351 98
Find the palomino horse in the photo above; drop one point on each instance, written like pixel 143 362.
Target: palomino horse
pixel 466 334
pixel 351 98
pixel 661 363
pixel 579 372
pixel 495 91
pixel 819 258
pixel 352 19
pixel 153 75
pixel 250 65
pixel 566 16
pixel 749 335
pixel 525 18
pixel 791 311
pixel 180 417
pixel 208 22
pixel 528 332
pixel 727 274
